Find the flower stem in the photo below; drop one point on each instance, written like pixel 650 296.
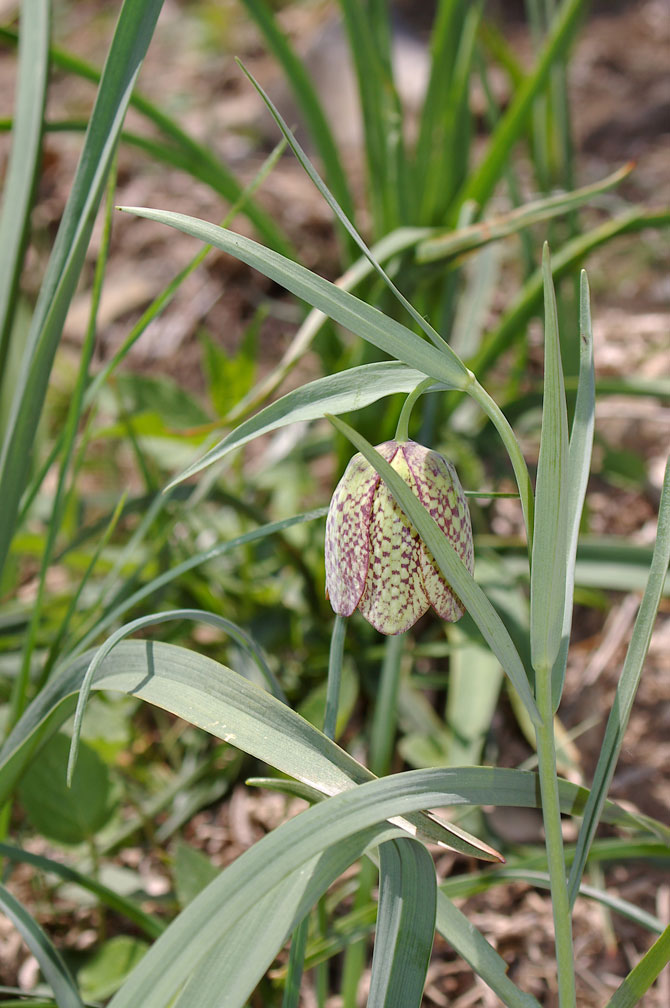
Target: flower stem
pixel 296 963
pixel 551 812
pixel 402 429
pixel 499 421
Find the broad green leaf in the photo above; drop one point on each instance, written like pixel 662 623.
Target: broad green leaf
pixel 23 163
pixel 109 966
pixel 617 721
pixel 362 319
pixel 147 923
pixel 221 702
pixel 131 39
pixel 54 969
pixel 68 815
pixel 548 573
pixel 192 871
pixel 339 393
pixel 225 907
pixel 453 569
pixel 475 678
pixel 198 616
pixel 405 925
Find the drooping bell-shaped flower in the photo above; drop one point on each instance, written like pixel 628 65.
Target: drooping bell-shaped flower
pixel 375 560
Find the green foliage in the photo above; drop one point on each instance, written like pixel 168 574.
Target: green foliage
pixel 169 728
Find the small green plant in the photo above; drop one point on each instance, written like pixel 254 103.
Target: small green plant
pixel 428 211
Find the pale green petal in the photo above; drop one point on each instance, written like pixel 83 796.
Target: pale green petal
pixel 394 597
pixel 347 548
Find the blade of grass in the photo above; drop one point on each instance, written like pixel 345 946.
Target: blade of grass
pixel 129 44
pixel 642 976
pixel 548 575
pixel 491 229
pixel 481 183
pixel 362 319
pixel 148 923
pixel 570 255
pixel 24 158
pixel 343 392
pixel 308 102
pixel 418 318
pixel 626 688
pixel 579 464
pixel 54 969
pixel 188 154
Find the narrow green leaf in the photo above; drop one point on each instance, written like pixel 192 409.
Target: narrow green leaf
pixel 418 318
pixel 198 616
pixel 147 923
pixel 453 569
pixel 225 704
pixel 338 393
pixel 617 721
pixel 642 976
pixel 579 464
pixel 307 99
pixel 24 158
pixel 362 319
pixel 471 945
pixel 569 256
pixel 548 574
pixel 481 183
pixel 54 969
pixel 131 39
pixel 474 236
pixel 405 925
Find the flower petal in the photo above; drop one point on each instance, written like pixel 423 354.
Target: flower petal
pixel 439 490
pixel 347 549
pixel 394 596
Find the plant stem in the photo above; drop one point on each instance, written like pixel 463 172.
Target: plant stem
pixel 402 429
pixel 546 754
pixel 499 421
pixel 296 961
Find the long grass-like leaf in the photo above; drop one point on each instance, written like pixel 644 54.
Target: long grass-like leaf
pixel 54 969
pixel 474 236
pixel 405 925
pixel 642 976
pixel 307 99
pixel 626 688
pixel 23 159
pixel 481 183
pixel 338 393
pixel 548 574
pixel 147 923
pixel 579 464
pixel 362 319
pixel 131 39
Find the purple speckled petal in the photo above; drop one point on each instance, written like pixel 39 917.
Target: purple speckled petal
pixel 347 549
pixel 394 596
pixel 439 490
